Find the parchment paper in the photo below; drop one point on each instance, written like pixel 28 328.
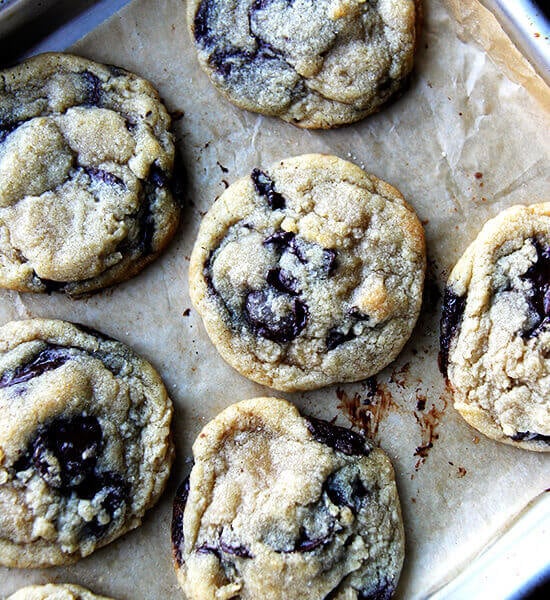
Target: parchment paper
pixel 468 139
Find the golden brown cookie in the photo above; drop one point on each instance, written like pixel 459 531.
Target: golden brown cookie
pixel 284 507
pixel 308 273
pixel 86 160
pixel 495 329
pixel 85 443
pixel 316 64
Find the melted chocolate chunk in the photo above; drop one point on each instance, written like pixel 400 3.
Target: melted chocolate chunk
pixel 356 314
pixel 283 281
pixel 528 436
pixel 223 62
pixel 453 309
pixel 342 493
pixel 93 88
pixel 158 177
pixel 538 275
pixel 260 4
pixel 206 272
pixel 208 549
pixel 65 452
pixel 115 493
pixel 384 591
pixel 258 311
pixel 306 544
pixel 240 551
pixel 341 439
pixel 110 484
pixel 265 187
pixel 226 60
pixel 266 51
pixel 117 71
pixel 280 239
pixel 146 223
pixel 335 592
pixel 225 548
pixel 286 241
pixel 130 124
pixel 298 247
pixel 200 23
pixel 7 128
pixel 48 359
pixel 329 261
pixel 104 176
pixel 335 338
pixel 51 285
pixel 180 501
pixel 178 181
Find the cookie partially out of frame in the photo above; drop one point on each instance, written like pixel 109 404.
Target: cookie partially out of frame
pixel 51 591
pixel 308 273
pixel 314 63
pixel 84 441
pixel 284 507
pixel 495 329
pixel 86 160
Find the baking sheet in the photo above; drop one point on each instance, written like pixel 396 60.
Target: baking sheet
pixel 468 139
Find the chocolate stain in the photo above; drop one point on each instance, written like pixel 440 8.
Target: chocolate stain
pixel 366 413
pixel 367 410
pixel 177 115
pixel 400 376
pixel 421 400
pixel 429 423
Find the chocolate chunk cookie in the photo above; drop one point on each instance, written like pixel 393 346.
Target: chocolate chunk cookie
pixel 50 591
pixel 309 273
pixel 284 507
pixel 84 441
pixel 315 63
pixel 86 160
pixel 495 329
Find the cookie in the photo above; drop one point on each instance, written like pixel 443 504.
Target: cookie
pixel 86 160
pixel 495 329
pixel 309 273
pixel 50 591
pixel 283 507
pixel 314 63
pixel 84 441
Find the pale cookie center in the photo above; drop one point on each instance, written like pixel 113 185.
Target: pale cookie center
pixel 66 192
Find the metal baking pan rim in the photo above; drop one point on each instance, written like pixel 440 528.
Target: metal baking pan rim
pixel 521 19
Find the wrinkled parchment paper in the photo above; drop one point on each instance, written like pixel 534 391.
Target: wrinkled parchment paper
pixel 468 139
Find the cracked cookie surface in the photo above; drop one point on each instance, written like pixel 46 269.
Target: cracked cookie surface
pixel 50 591
pixel 84 441
pixel 314 63
pixel 308 273
pixel 495 329
pixel 282 507
pixel 86 161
